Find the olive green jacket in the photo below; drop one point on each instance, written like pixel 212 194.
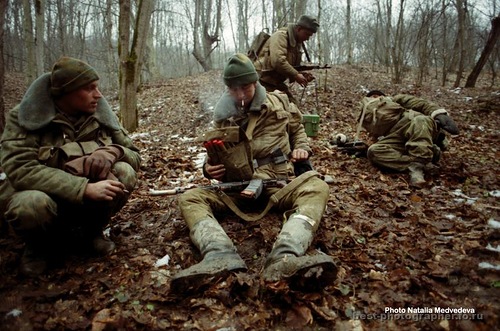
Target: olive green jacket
pixel 279 124
pixel 38 140
pixel 384 115
pixel 280 54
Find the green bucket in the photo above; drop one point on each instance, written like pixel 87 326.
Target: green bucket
pixel 311 124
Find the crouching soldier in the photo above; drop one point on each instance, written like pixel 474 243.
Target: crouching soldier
pixel 409 131
pixel 70 166
pixel 262 137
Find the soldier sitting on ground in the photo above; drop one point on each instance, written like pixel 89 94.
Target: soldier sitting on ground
pixel 409 132
pixel 271 139
pixel 70 166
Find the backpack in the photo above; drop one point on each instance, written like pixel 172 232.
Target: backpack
pixel 257 44
pixel 379 115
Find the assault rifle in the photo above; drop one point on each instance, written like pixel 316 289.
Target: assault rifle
pixel 311 67
pixel 249 188
pixel 356 148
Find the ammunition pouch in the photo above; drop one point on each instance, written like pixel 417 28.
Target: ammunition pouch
pixel 235 154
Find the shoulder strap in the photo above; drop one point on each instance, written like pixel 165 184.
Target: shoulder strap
pixel 306 53
pixel 275 198
pixel 252 121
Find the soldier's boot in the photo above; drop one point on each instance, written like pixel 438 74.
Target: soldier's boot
pixel 287 259
pixel 96 241
pixel 102 245
pixel 34 260
pixel 416 170
pixel 436 154
pixel 219 257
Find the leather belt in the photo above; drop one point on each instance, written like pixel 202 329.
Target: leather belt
pixel 276 157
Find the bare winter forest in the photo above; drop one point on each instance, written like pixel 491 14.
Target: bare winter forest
pixel 396 247
pixel 407 257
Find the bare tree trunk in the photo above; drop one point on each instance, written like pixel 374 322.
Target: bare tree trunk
pixel 444 48
pixel 320 35
pixel 398 47
pixel 3 10
pixel 488 48
pixel 131 54
pixel 202 25
pixel 348 32
pixel 242 26
pixel 461 11
pixel 108 37
pixel 40 31
pixel 29 43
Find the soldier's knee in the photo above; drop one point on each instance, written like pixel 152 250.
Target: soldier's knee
pixel 192 196
pixel 125 174
pixel 29 210
pixel 372 152
pixel 316 186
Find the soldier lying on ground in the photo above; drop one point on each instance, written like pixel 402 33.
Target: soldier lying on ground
pixel 409 132
pixel 271 139
pixel 69 163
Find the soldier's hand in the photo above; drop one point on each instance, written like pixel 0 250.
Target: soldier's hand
pixel 310 77
pixel 98 164
pixel 215 171
pixel 447 123
pixel 299 155
pixel 105 190
pixel 301 79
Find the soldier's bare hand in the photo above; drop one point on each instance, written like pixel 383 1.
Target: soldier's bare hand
pixel 215 171
pixel 105 190
pixel 299 155
pixel 309 77
pixel 301 79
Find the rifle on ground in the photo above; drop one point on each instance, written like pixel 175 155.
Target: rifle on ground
pixel 249 188
pixel 356 148
pixel 311 67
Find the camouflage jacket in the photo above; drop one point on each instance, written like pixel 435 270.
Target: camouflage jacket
pixel 279 124
pixel 279 56
pixel 384 115
pixel 38 139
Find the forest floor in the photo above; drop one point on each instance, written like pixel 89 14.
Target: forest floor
pixel 397 247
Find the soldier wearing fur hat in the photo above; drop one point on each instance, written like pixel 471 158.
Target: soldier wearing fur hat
pixel 70 166
pixel 271 138
pixel 282 52
pixel 410 132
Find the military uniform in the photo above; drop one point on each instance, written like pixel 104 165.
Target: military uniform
pixel 281 52
pixel 40 199
pixel 277 125
pixel 408 136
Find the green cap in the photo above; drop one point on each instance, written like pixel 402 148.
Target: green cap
pixel 239 70
pixel 69 74
pixel 308 22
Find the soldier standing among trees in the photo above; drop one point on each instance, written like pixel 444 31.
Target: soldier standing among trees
pixel 281 52
pixel 272 140
pixel 70 166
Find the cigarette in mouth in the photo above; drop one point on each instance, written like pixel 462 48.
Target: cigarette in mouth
pixel 242 103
